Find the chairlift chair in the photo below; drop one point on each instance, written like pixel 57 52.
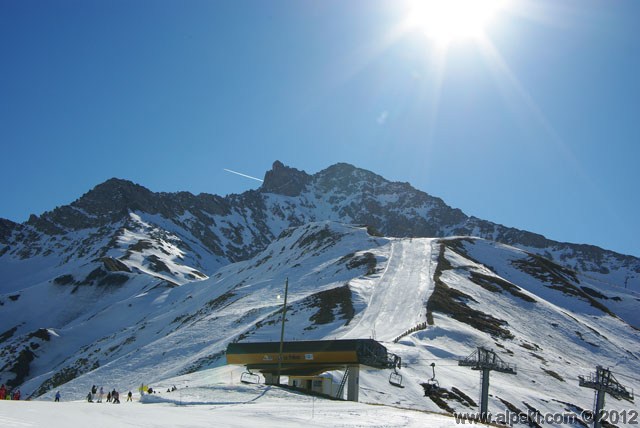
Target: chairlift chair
pixel 431 385
pixel 250 377
pixel 395 378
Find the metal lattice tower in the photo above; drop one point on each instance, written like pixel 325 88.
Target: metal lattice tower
pixel 486 360
pixel 604 383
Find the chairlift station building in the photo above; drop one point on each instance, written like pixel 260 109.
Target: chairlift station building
pixel 310 358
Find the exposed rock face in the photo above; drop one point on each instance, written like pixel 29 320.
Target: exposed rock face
pixel 395 209
pixel 6 229
pixel 285 180
pixel 113 200
pixel 211 231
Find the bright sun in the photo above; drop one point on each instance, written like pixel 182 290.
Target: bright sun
pixel 445 21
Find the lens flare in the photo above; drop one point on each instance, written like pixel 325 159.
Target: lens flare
pixel 445 21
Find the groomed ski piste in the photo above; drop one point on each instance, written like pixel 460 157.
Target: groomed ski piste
pixel 555 338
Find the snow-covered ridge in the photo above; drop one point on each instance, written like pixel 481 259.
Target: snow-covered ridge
pixel 214 231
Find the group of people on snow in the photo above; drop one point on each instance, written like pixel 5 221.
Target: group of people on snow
pixel 112 396
pixel 7 394
pixel 97 394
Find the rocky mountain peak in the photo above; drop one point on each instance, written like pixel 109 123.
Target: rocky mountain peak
pixel 115 194
pixel 284 180
pixel 107 202
pixel 346 178
pixel 6 228
pixel 236 227
pixel 343 169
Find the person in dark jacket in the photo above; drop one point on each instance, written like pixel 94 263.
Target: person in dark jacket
pixel 129 396
pixel 57 400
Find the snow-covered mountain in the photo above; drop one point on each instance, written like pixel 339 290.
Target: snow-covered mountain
pixel 126 286
pixel 180 237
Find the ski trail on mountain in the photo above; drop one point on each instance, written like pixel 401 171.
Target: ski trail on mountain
pixel 398 299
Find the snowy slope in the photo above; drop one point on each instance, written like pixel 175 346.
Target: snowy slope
pixel 212 399
pixel 110 324
pixel 345 283
pixel 396 300
pixel 536 318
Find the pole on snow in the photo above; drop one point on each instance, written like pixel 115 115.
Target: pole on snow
pixel 284 315
pixel 604 383
pixel 486 360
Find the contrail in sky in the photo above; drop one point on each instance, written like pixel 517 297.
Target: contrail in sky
pixel 244 175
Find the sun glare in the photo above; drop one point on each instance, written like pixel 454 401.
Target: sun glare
pixel 445 21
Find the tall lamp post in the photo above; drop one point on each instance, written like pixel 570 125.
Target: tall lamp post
pixel 284 315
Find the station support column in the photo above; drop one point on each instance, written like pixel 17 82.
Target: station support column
pixel 271 379
pixel 353 383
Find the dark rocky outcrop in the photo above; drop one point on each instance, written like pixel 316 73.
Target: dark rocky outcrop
pixel 6 229
pixel 285 180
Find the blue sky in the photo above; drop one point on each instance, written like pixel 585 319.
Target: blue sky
pixel 536 128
